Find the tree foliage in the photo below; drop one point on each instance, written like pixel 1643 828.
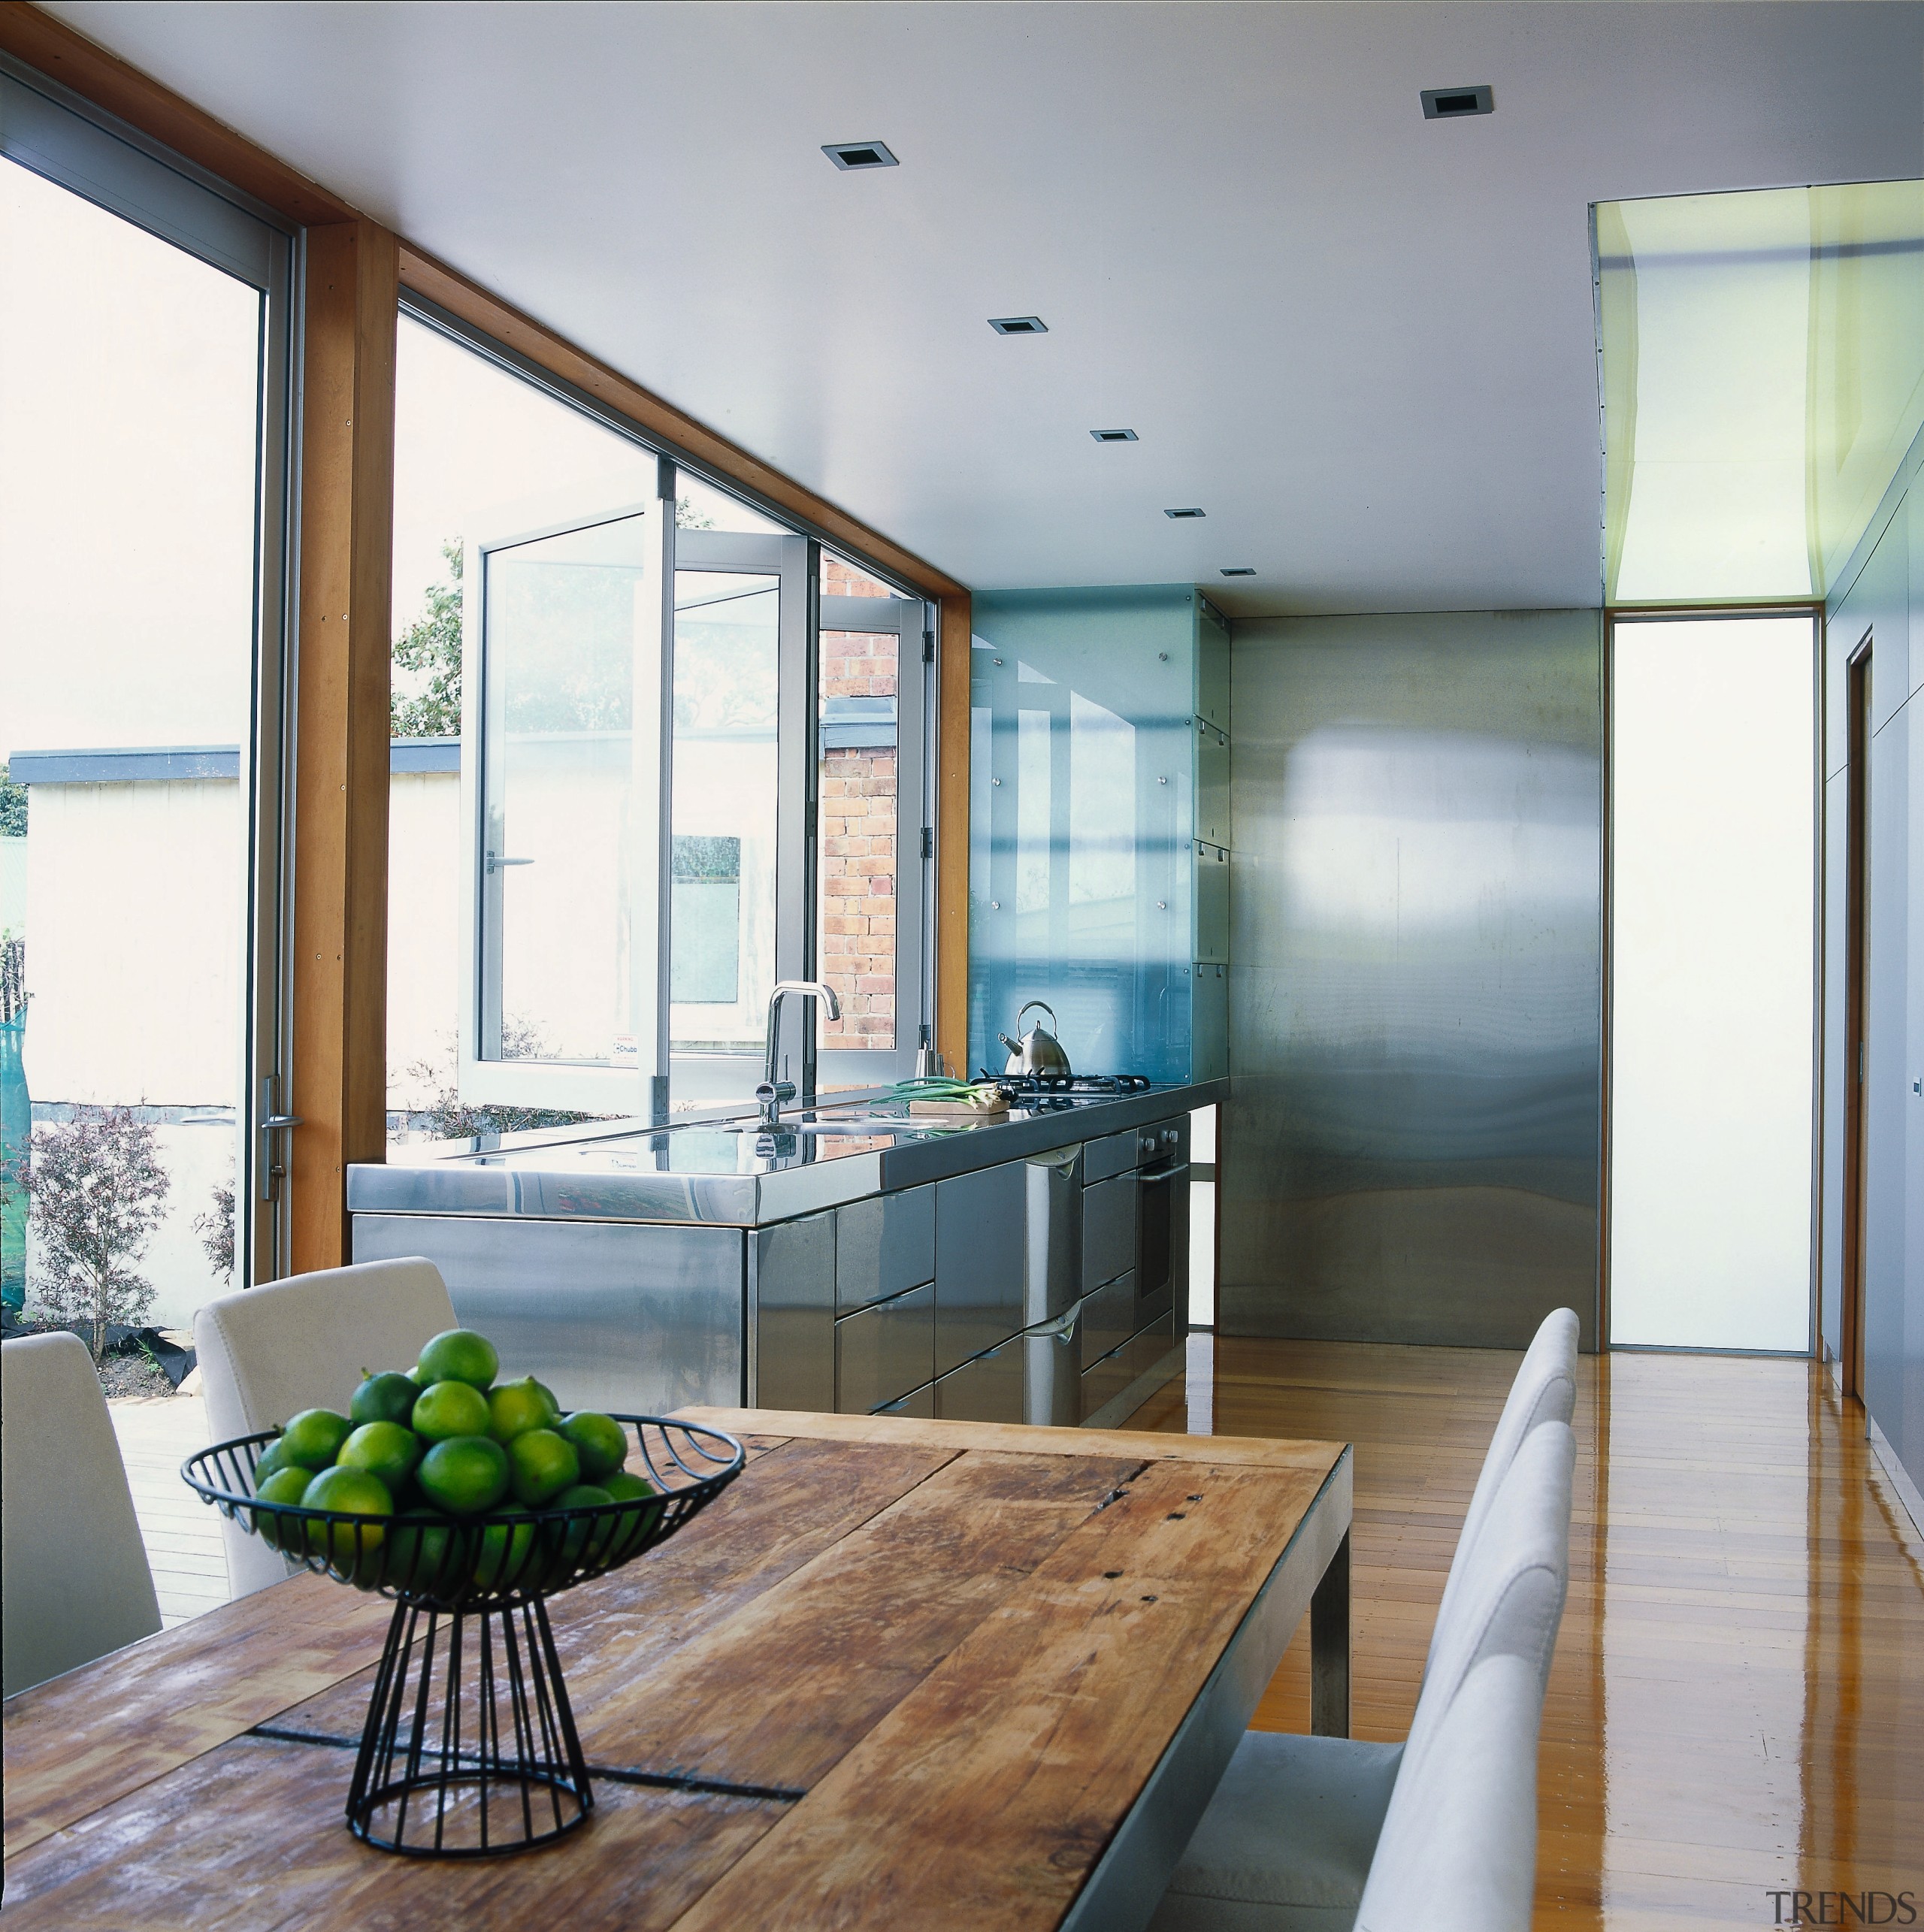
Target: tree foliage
pixel 215 1226
pixel 13 806
pixel 429 650
pixel 97 1191
pixel 447 1117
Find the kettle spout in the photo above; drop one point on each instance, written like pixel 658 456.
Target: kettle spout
pixel 1014 1046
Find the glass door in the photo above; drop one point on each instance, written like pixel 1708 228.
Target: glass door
pixel 145 376
pixel 562 768
pixel 740 905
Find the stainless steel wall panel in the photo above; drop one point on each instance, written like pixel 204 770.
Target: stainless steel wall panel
pixel 643 1319
pixel 981 1236
pixel 883 1245
pixel 1836 1091
pixel 1108 1230
pixel 791 1303
pixel 1410 1152
pixel 884 1350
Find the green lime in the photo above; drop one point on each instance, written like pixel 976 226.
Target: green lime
pixel 445 1409
pixel 387 1397
pixel 386 1449
pixel 515 1407
pixel 584 1496
pixel 459 1355
pixel 554 1399
pixel 348 1493
pixel 502 1562
pixel 635 1531
pixel 464 1476
pixel 417 1551
pixel 313 1438
pixel 541 1465
pixel 282 1486
pixel 273 1457
pixel 600 1442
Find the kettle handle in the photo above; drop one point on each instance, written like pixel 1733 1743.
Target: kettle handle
pixel 1046 1008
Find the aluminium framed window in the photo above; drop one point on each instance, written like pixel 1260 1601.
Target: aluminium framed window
pixel 646 732
pixel 257 257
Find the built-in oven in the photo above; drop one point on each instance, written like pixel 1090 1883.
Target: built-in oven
pixel 1162 1244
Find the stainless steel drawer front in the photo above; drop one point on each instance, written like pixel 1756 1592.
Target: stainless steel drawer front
pixel 1110 1155
pixel 609 1316
pixel 989 1389
pixel 980 1236
pixel 792 1295
pixel 882 1246
pixel 1108 1230
pixel 884 1351
pixel 920 1403
pixel 1109 1317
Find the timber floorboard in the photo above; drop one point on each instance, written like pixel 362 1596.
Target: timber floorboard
pixel 1736 1705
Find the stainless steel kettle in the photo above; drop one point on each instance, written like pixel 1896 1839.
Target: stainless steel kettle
pixel 1038 1050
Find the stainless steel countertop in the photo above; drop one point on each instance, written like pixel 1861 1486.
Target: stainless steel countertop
pixel 724 1170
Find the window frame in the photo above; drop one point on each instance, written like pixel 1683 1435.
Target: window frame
pixel 709 1079
pixel 65 139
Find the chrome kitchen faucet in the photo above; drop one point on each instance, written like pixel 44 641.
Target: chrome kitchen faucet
pixel 772 1092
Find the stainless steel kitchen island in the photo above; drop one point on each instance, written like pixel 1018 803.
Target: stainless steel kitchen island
pixel 851 1257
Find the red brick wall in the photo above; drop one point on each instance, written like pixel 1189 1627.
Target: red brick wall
pixel 857 830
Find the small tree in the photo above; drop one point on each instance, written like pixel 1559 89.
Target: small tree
pixel 215 1226
pixel 430 646
pixel 98 1189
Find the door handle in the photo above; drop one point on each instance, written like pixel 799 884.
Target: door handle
pixel 272 1121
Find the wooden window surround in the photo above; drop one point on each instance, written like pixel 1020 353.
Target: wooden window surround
pixel 355 272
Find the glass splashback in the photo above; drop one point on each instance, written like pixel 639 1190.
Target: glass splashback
pixel 1080 816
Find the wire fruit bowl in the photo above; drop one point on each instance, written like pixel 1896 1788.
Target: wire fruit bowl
pixel 469 1748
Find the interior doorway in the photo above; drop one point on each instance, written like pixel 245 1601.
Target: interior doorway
pixel 1712 998
pixel 1848 1343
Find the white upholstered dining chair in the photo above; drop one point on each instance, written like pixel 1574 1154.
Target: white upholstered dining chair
pixel 268 1352
pixel 75 1582
pixel 1328 1833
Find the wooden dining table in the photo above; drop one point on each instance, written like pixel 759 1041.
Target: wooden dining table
pixel 901 1673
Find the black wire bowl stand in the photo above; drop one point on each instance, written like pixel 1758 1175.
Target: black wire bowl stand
pixel 470 1749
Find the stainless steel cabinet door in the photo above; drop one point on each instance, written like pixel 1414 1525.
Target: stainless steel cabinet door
pixel 989 1389
pixel 882 1246
pixel 1052 1274
pixel 1108 1230
pixel 980 1225
pixel 609 1315
pixel 884 1350
pixel 791 1292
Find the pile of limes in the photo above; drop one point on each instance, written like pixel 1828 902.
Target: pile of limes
pixel 419 1454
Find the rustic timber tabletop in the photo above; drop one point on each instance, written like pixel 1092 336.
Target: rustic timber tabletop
pixel 903 1673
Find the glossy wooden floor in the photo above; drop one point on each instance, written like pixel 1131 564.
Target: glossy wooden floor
pixel 1737 1702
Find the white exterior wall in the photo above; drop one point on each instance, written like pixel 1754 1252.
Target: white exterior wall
pixel 424 929
pixel 136 897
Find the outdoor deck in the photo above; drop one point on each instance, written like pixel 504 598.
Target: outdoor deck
pixel 157 1433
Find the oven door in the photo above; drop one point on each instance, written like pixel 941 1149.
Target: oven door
pixel 1162 1270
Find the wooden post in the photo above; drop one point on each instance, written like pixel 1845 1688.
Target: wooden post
pixel 952 836
pixel 337 971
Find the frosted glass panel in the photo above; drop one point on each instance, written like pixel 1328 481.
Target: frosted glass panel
pixel 1713 912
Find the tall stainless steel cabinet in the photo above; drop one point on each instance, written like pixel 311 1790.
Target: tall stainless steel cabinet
pixel 1099 831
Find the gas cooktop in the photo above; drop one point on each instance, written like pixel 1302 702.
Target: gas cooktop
pixel 1035 1090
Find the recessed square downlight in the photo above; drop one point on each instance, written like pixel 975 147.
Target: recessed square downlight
pixel 1450 103
pixel 1018 325
pixel 1179 515
pixel 1238 570
pixel 1113 435
pixel 848 154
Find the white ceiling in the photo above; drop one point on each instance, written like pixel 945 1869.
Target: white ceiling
pixel 1363 342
